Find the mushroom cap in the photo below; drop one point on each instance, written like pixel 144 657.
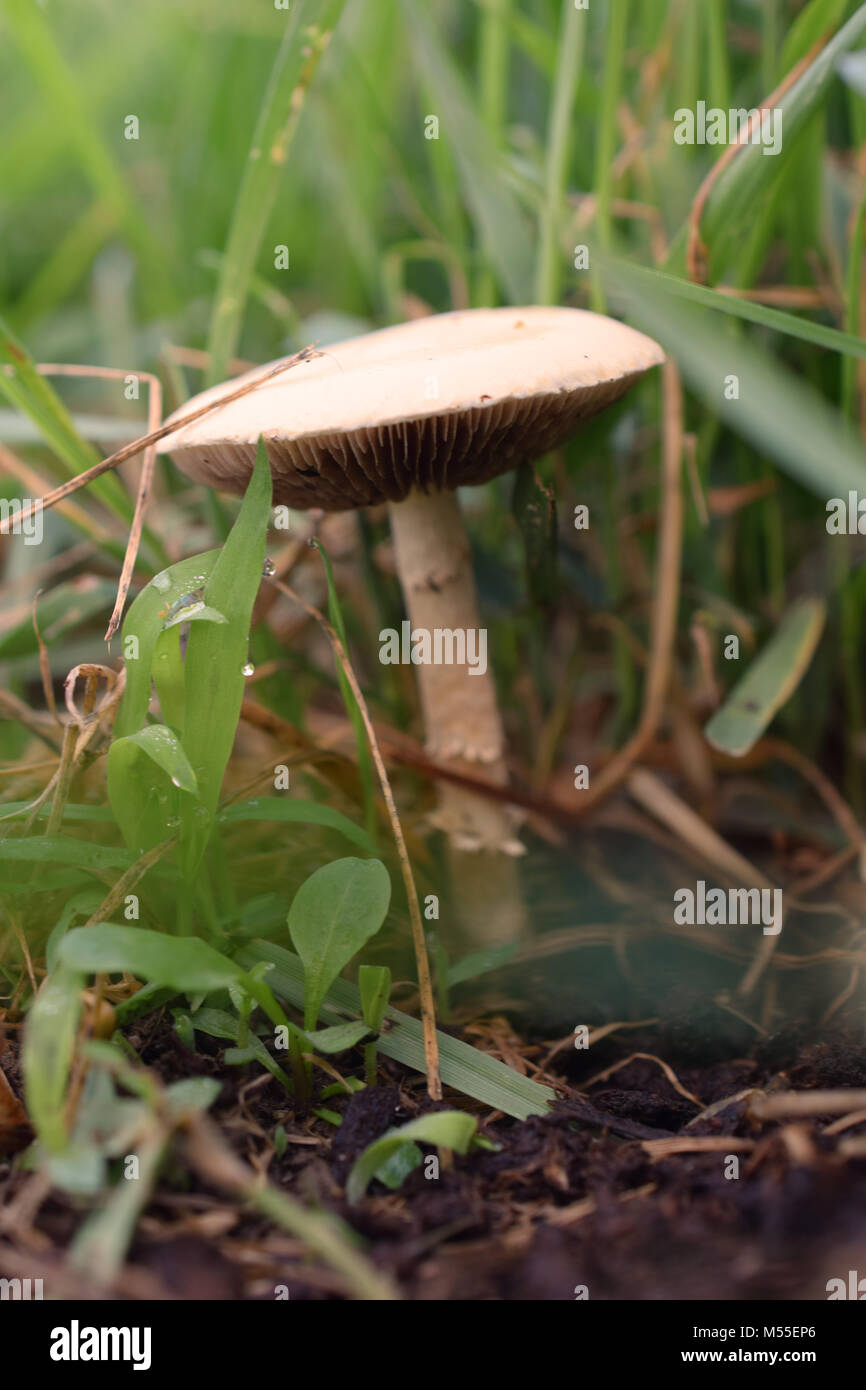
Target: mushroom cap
pixel 437 403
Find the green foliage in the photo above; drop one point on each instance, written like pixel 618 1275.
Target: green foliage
pixel 465 1068
pixel 186 965
pixel 769 681
pixel 217 654
pixel 374 986
pixel 333 914
pixel 447 1129
pixel 49 1045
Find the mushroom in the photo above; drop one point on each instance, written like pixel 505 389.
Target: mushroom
pixel 407 415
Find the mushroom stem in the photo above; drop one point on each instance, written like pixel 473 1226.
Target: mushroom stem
pixel 458 700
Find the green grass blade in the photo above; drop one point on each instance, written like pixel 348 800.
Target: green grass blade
pixel 305 40
pixel 605 148
pixel 500 225
pixel 48 850
pixel 32 32
pixel 31 393
pixel 770 680
pixel 272 808
pixel 752 312
pixel 777 411
pixel 741 189
pixel 549 264
pixel 217 653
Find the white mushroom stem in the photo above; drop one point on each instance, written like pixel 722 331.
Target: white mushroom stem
pixel 458 701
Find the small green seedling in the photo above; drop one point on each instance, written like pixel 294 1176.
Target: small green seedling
pixel 333 914
pixel 447 1129
pixel 374 984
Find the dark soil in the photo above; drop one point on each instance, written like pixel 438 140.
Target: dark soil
pixel 583 1197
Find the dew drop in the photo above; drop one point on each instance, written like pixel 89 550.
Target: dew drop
pixel 248 669
pixel 268 567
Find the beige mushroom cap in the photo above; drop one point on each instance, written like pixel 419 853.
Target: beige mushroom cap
pixel 436 404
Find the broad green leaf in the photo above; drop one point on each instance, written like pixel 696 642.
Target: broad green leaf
pixel 50 850
pixel 197 612
pixel 334 912
pixel 374 985
pixel 303 812
pixel 47 882
pixel 147 773
pixel 49 1044
pixel 167 673
pixel 463 1067
pixel 193 1092
pixel 14 810
pixel 164 748
pixel 770 680
pixel 778 412
pixel 142 628
pixel 339 1038
pixel 216 654
pixel 396 1169
pixel 183 963
pixel 447 1129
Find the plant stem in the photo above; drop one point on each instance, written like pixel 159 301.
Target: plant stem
pixel 617 16
pixel 548 277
